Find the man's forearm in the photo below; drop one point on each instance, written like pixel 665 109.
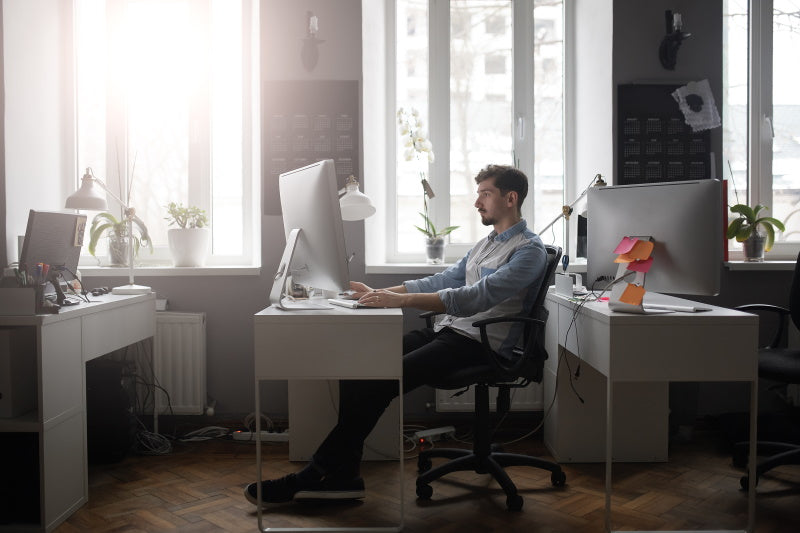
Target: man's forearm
pixel 426 301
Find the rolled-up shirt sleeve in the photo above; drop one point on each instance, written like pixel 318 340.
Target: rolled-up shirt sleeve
pixel 524 268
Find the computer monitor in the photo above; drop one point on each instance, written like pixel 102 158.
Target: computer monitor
pixel 53 238
pixel 684 218
pixel 315 254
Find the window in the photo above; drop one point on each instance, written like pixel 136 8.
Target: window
pixel 488 81
pixel 163 102
pixel 761 114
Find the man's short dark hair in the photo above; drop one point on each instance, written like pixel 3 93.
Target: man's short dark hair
pixel 506 178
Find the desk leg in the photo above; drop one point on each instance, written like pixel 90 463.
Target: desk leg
pixel 751 462
pixel 609 458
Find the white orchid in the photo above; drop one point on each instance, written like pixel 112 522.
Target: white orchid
pixel 418 147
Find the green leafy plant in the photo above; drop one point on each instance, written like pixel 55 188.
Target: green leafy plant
pixel 186 217
pixel 430 230
pixel 106 223
pixel 742 228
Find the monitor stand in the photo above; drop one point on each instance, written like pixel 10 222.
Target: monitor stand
pixel 278 295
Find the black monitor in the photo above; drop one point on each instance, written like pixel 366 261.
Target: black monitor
pixel 685 219
pixel 53 238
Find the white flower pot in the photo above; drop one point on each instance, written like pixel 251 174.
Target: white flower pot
pixel 188 246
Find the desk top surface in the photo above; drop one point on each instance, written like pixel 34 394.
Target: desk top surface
pixel 97 304
pixel 601 311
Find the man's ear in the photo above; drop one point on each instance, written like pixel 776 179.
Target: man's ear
pixel 511 198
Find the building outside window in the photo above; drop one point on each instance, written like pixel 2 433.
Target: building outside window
pixel 488 80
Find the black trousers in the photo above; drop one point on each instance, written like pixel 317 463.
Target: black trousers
pixel 427 357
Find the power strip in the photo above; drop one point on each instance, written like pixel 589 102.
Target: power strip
pixel 266 436
pixel 435 433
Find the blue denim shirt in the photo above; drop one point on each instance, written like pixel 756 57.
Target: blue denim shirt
pixel 500 276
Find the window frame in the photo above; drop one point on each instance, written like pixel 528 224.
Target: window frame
pixel 199 133
pixel 384 251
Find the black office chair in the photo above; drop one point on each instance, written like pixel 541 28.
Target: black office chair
pixel 526 368
pixel 781 365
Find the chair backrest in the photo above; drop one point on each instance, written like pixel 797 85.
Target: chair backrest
pixel 534 351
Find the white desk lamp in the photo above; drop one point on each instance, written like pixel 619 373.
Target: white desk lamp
pixel 90 198
pixel 355 204
pixel 566 211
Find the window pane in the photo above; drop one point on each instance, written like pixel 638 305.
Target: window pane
pixel 158 75
pixel 412 92
pixel 481 116
pixel 547 187
pixel 734 100
pixel 786 119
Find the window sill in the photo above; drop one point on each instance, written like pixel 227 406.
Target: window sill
pixel 762 266
pixel 168 271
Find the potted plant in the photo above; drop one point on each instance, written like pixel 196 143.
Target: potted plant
pixel 418 148
pixel 117 231
pixel 188 243
pixel 434 239
pixel 756 233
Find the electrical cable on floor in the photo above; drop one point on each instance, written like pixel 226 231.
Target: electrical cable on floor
pixel 206 433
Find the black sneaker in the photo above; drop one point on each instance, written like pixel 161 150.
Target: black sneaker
pixel 331 488
pixel 291 487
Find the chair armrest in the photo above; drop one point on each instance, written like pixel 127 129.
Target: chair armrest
pixel 776 309
pixel 498 361
pixel 428 316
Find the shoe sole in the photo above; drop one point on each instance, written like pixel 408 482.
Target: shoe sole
pixel 329 495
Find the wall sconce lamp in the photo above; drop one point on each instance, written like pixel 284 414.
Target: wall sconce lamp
pixel 310 52
pixel 668 50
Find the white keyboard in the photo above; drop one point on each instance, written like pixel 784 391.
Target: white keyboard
pixel 350 304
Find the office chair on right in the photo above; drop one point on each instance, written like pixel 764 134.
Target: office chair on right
pixel 781 365
pixel 527 367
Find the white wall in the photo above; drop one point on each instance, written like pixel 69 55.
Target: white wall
pixel 38 117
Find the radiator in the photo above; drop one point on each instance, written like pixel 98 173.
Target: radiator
pixel 180 362
pixel 527 399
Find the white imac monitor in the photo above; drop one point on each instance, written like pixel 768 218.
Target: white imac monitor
pixel 315 254
pixel 684 218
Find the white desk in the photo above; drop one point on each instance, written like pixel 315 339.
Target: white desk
pixel 62 344
pixel 327 344
pixel 632 359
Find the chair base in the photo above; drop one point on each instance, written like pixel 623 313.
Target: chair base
pixel 492 463
pixel 778 453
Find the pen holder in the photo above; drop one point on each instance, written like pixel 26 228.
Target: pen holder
pixel 18 301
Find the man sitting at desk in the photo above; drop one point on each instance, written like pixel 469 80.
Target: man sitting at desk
pixel 499 276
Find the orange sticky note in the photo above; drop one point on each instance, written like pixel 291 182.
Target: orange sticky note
pixel 641 250
pixel 633 294
pixel 625 245
pixel 641 266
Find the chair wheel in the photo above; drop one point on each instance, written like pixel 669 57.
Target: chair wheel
pixel 514 503
pixel 423 464
pixel 558 478
pixel 424 492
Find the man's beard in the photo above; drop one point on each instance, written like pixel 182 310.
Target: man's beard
pixel 486 221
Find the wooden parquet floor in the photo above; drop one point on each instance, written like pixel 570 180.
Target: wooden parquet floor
pixel 198 488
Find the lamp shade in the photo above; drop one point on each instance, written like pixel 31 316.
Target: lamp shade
pixel 87 196
pixel 355 205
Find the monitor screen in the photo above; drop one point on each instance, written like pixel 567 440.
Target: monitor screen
pixel 54 239
pixel 685 219
pixel 310 202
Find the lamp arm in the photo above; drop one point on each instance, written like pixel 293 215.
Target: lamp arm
pixel 566 210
